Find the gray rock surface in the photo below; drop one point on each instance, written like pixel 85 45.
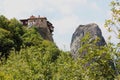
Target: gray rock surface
pixel 45 33
pixel 93 30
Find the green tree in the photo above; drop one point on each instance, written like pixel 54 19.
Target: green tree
pixel 96 61
pixel 31 63
pixel 16 29
pixel 113 24
pixel 11 35
pixel 6 42
pixel 4 22
pixel 31 38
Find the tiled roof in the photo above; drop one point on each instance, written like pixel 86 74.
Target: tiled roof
pixel 32 17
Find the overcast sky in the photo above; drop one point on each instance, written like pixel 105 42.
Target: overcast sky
pixel 65 15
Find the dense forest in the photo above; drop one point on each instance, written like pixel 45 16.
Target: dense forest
pixel 25 55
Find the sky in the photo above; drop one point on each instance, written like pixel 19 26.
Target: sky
pixel 65 15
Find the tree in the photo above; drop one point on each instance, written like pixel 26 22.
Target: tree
pixel 96 61
pixel 113 24
pixel 6 42
pixel 16 29
pixel 31 38
pixel 32 63
pixel 11 35
pixel 4 22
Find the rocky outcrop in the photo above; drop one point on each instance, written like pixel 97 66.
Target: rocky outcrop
pixel 45 28
pixel 45 33
pixel 92 29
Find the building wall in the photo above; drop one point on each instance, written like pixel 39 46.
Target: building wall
pixel 38 22
pixel 43 22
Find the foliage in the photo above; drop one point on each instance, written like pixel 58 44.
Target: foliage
pixel 44 61
pixel 113 24
pixel 17 31
pixel 4 22
pixel 31 37
pixel 30 63
pixel 6 42
pixel 10 36
pixel 98 61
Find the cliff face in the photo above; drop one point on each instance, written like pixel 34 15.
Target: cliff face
pixel 92 29
pixel 45 33
pixel 45 28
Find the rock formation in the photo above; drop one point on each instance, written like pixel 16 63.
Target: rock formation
pixel 45 28
pixel 93 30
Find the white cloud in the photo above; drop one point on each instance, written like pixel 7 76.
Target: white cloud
pixel 66 6
pixel 14 8
pixel 95 6
pixel 67 24
pixel 1 7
